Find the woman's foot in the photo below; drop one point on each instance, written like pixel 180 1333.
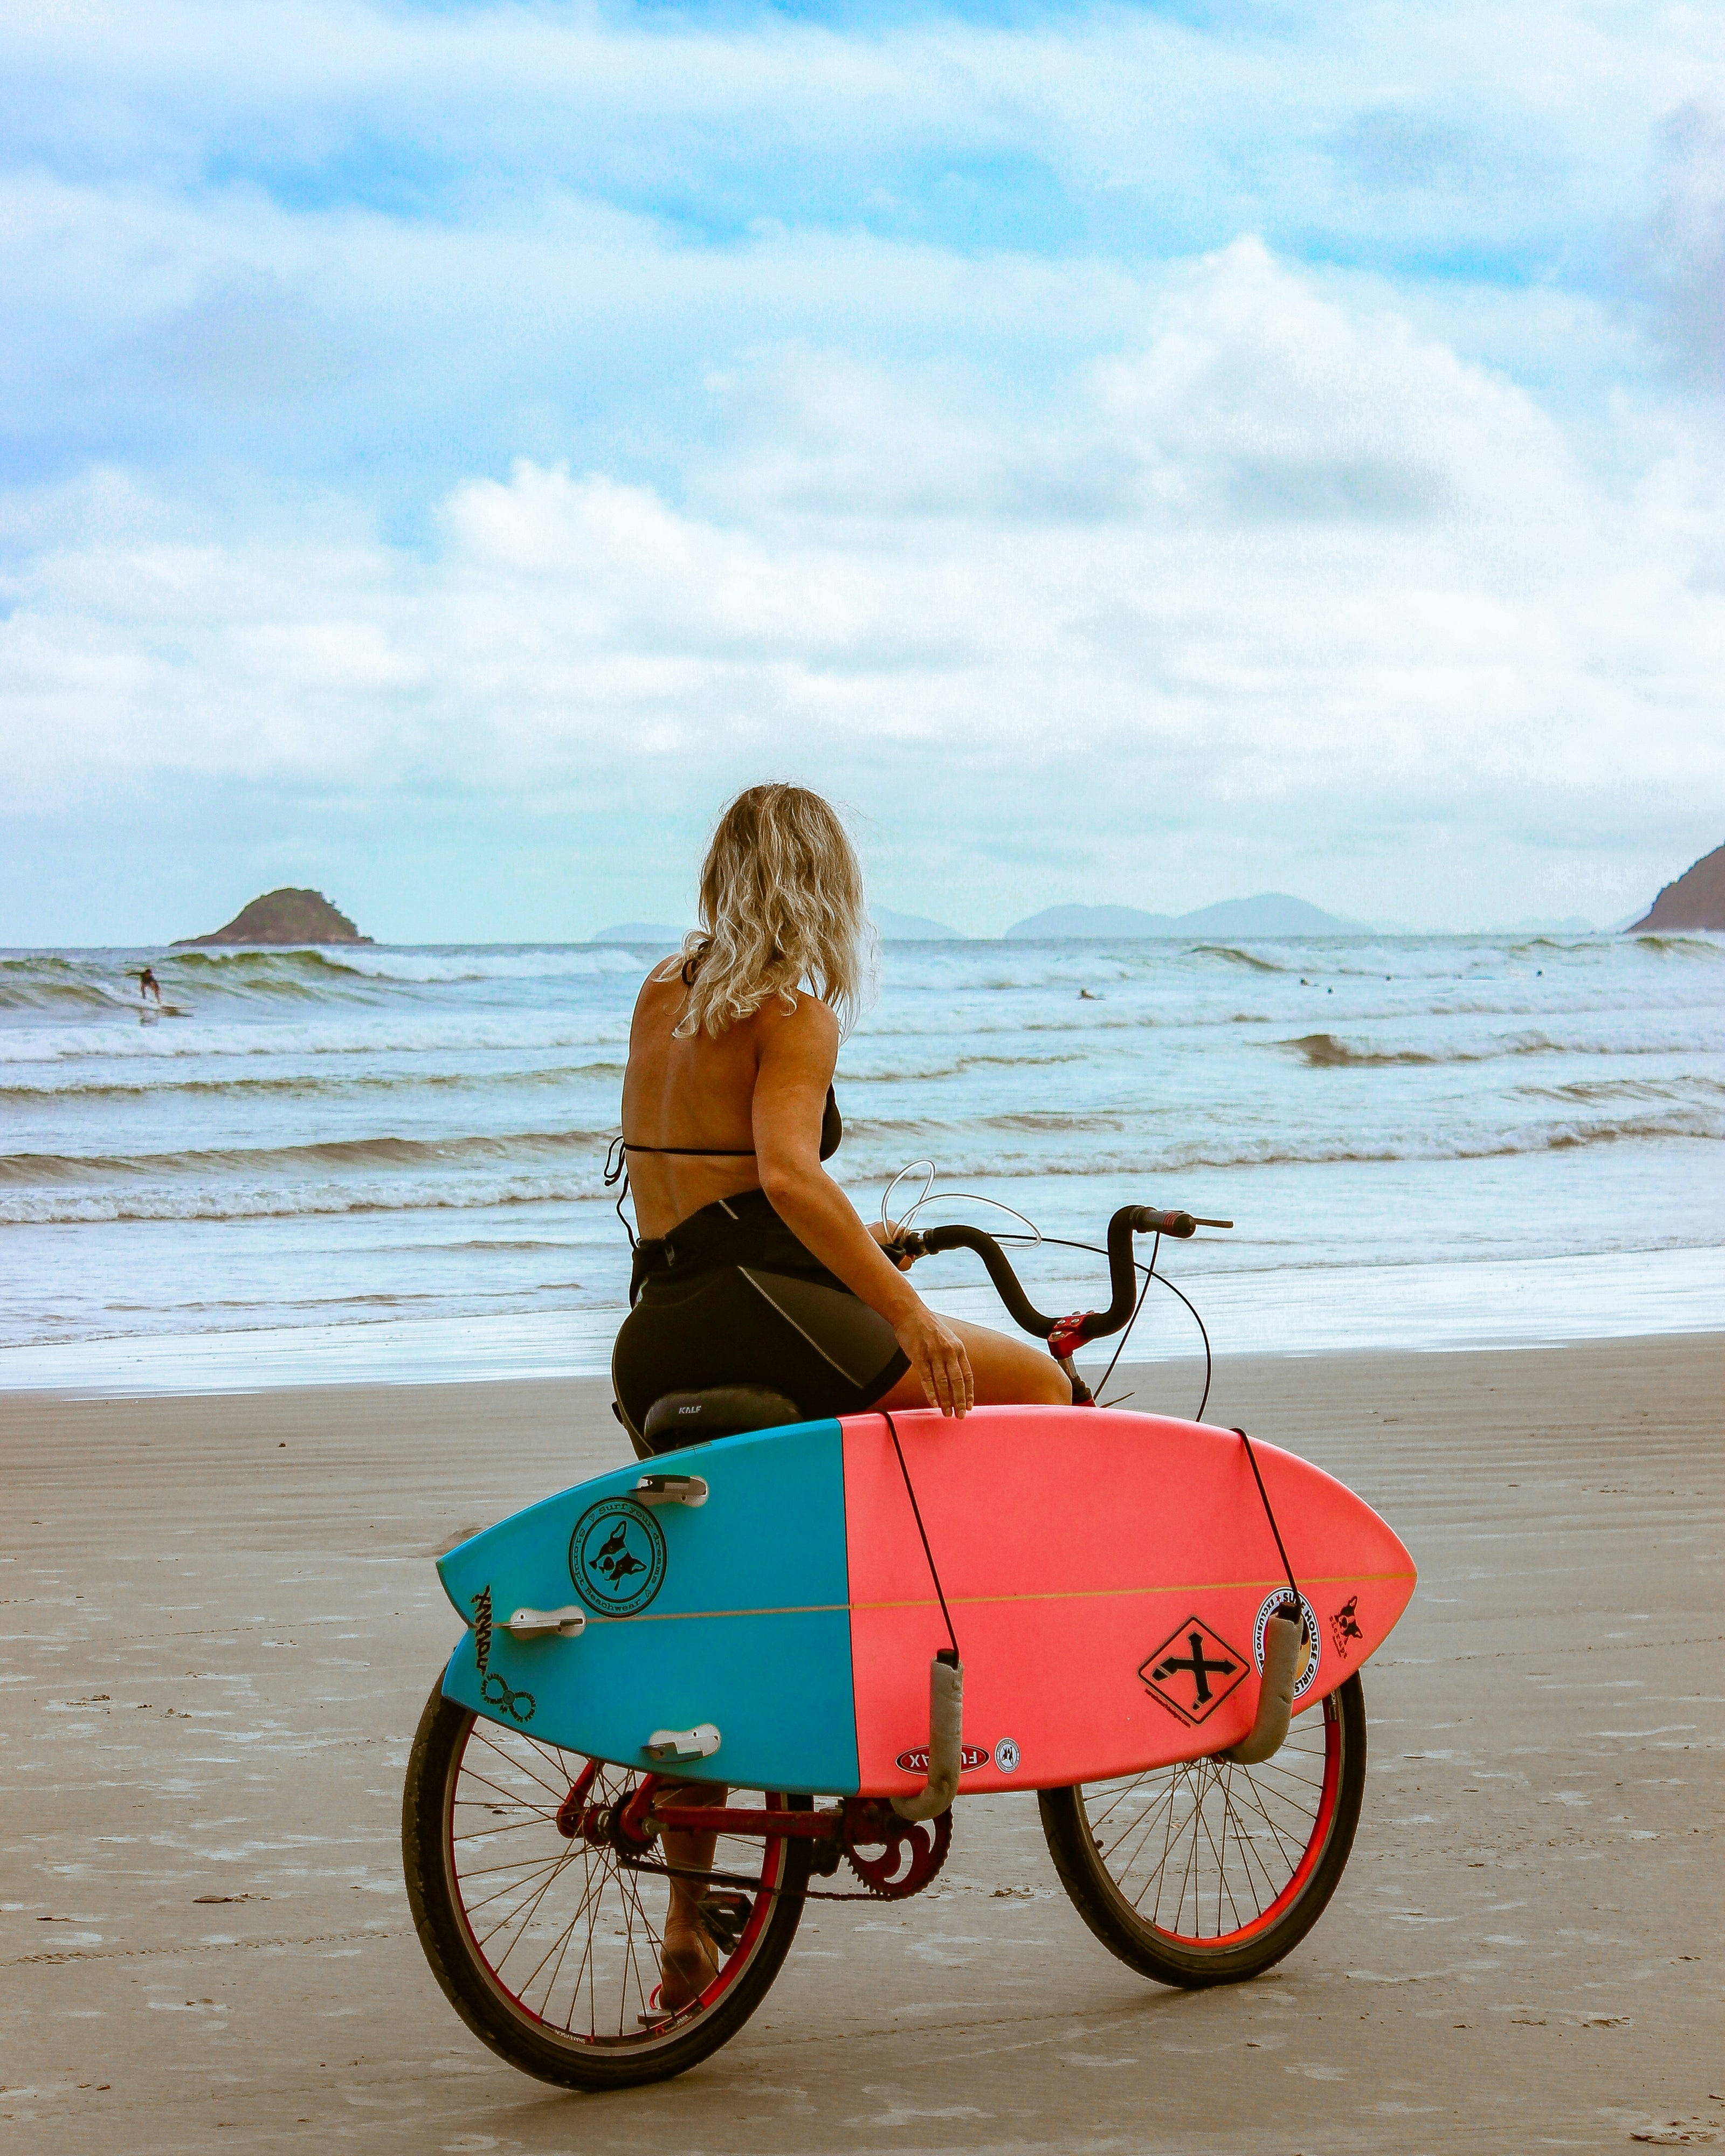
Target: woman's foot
pixel 686 1966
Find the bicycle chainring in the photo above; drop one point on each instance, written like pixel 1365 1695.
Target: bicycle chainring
pixel 893 1857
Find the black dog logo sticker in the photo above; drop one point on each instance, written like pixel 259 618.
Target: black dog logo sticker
pixel 1344 1627
pixel 615 1561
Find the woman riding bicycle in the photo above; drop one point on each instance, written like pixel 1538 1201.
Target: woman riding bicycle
pixel 753 1266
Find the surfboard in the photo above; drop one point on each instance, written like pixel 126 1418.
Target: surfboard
pixel 1108 1576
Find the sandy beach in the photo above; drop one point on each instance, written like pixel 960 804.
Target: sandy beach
pixel 223 1623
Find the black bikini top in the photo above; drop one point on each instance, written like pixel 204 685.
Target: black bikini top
pixel 832 1131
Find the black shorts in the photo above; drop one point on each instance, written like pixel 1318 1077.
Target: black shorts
pixel 803 1334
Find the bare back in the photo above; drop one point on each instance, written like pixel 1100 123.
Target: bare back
pixel 697 1091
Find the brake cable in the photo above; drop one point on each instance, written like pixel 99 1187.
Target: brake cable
pixel 1126 1331
pixel 1034 1237
pixel 1162 1280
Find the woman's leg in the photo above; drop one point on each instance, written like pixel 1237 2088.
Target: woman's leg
pixel 1007 1372
pixel 687 1963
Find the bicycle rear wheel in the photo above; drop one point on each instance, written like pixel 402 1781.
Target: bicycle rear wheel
pixel 1208 1873
pixel 548 1946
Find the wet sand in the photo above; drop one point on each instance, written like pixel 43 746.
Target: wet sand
pixel 223 1625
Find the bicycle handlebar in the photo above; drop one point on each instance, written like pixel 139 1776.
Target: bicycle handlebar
pixel 1073 1331
pixel 1010 1288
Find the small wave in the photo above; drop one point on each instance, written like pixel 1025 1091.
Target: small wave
pixel 432 968
pixel 1235 956
pixel 165 1202
pixel 1699 943
pixel 444 1032
pixel 960 1155
pixel 169 1081
pixel 1324 1051
pixel 1590 1093
pixel 49 984
pixel 329 972
pixel 330 1156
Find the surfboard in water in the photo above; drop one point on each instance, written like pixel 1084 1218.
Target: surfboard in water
pixel 1108 1576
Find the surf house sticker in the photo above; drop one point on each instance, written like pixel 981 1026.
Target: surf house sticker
pixel 1310 1645
pixel 616 1557
pixel 1193 1671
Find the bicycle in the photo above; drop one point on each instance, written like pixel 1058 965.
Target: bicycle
pixel 540 1876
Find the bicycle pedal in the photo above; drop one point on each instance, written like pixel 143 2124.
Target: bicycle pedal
pixel 724 1918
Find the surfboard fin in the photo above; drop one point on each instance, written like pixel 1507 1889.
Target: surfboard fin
pixel 1276 1695
pixel 946 1729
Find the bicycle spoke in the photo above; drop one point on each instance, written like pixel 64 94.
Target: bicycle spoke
pixel 1205 1850
pixel 570 1932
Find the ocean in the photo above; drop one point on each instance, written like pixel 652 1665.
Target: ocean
pixel 367 1162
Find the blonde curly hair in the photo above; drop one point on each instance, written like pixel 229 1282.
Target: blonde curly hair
pixel 781 903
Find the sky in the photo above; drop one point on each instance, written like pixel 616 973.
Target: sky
pixel 1132 455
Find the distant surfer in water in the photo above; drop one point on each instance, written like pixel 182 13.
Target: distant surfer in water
pixel 754 1267
pixel 148 986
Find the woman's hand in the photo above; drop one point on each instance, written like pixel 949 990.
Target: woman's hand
pixel 884 1232
pixel 938 1356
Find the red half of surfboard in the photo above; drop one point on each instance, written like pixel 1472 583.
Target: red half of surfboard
pixel 1108 1576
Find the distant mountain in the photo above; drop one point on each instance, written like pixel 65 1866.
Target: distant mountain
pixel 911 927
pixel 1271 913
pixel 1697 899
pixel 640 932
pixel 282 916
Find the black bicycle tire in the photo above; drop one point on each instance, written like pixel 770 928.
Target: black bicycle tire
pixel 1156 1953
pixel 432 1899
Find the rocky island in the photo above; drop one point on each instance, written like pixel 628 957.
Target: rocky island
pixel 282 916
pixel 1697 899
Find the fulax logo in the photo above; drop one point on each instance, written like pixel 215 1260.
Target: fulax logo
pixel 915 1760
pixel 616 1557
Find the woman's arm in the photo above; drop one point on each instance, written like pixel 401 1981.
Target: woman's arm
pixel 798 1054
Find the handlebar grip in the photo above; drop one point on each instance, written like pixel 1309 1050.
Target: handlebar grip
pixel 1150 1220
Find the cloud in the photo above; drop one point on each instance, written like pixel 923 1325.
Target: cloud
pixel 1284 435
pixel 1283 562
pixel 1682 262
pixel 386 244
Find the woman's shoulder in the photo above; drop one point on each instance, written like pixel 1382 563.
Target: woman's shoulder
pixel 810 1028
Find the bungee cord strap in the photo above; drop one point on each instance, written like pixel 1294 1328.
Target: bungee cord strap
pixel 917 1514
pixel 1269 1511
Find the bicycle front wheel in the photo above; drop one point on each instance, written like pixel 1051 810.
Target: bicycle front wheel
pixel 1208 1873
pixel 548 1946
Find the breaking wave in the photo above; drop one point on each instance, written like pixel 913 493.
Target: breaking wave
pixel 331 1156
pixel 1235 956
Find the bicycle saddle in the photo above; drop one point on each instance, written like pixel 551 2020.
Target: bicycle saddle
pixel 680 1418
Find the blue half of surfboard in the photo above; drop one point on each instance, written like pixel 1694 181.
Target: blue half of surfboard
pixel 734 1613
